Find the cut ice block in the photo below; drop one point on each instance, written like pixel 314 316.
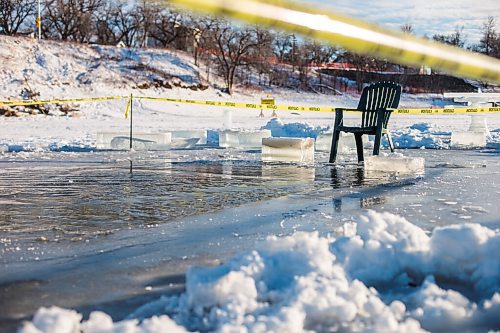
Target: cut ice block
pixel 464 140
pixel 228 139
pixel 4 148
pixel 242 139
pixel 347 143
pixel 395 163
pixel 190 134
pixel 288 150
pixel 140 141
pixel 184 143
pixel 227 119
pixel 253 139
pixel 478 124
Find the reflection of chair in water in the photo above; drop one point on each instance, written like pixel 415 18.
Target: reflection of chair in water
pixel 375 106
pixel 347 177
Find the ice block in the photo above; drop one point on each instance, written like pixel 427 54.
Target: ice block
pixel 190 134
pixel 140 141
pixel 243 139
pixel 395 163
pixel 468 140
pixel 288 150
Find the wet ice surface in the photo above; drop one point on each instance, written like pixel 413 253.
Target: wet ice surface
pixel 83 231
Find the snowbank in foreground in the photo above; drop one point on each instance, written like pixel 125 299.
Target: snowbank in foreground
pixel 382 274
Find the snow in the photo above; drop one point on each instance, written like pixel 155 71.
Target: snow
pixel 299 130
pixel 379 273
pixel 58 320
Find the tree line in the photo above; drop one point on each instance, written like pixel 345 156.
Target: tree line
pixel 226 50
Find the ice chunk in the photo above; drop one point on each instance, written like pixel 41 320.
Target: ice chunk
pixel 242 139
pixel 227 119
pixel 140 141
pixel 253 139
pixel 347 143
pixel 184 143
pixel 475 137
pixel 228 139
pixel 478 124
pixel 395 163
pixel 464 140
pixel 190 134
pixel 288 150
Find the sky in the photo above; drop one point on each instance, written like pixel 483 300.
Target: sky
pixel 426 17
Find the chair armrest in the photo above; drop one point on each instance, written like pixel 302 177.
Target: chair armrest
pixel 346 109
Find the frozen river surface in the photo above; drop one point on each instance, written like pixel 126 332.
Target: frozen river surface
pixel 112 230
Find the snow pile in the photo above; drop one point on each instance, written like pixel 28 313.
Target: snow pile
pixel 420 135
pixel 295 130
pixel 382 274
pixel 57 320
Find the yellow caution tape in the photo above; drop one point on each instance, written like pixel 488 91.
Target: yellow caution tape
pixel 353 35
pixel 304 108
pixel 54 101
pixel 463 110
pixel 247 105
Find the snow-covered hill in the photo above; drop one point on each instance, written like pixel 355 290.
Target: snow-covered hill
pixel 56 69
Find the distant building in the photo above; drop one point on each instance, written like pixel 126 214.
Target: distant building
pixel 424 70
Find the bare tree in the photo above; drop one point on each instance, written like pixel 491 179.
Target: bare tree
pixel 262 54
pixel 312 53
pixel 145 17
pixel 13 14
pixel 104 29
pixel 489 37
pixel 125 24
pixel 167 27
pixel 233 47
pixel 282 46
pixel 456 39
pixel 70 19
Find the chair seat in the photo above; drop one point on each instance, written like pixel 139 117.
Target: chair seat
pixel 364 130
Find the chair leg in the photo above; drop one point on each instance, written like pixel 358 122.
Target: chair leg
pixel 376 145
pixel 359 146
pixel 378 135
pixel 335 146
pixel 389 138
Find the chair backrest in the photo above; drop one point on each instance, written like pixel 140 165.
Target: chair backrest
pixel 378 96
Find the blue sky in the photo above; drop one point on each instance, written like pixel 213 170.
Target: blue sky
pixel 426 17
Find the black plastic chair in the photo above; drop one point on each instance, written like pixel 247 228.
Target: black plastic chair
pixel 376 105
